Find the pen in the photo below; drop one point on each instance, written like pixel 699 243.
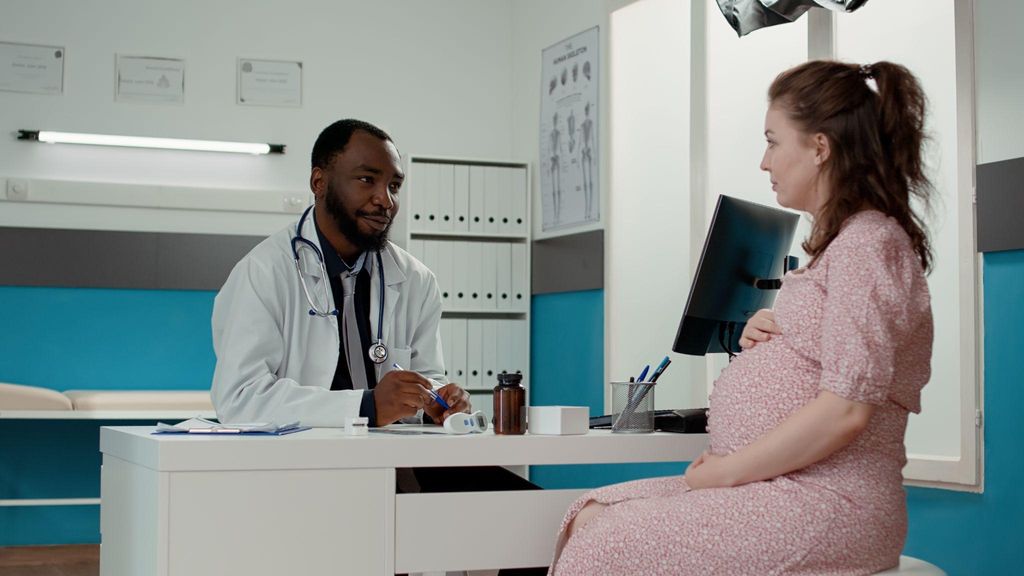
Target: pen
pixel 437 397
pixel 643 373
pixel 661 368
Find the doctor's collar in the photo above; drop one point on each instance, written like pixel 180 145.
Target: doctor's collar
pixel 333 262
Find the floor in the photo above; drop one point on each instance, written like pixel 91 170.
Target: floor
pixel 84 560
pixel 77 560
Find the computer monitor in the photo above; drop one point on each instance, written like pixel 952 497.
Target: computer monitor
pixel 745 256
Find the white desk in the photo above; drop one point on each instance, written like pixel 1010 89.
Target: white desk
pixel 319 502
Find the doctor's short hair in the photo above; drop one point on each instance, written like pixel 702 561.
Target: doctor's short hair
pixel 335 137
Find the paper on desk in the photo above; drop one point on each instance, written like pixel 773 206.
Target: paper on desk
pixel 200 425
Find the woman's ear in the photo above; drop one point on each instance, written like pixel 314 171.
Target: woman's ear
pixel 822 148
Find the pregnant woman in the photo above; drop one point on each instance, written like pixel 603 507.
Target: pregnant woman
pixel 803 474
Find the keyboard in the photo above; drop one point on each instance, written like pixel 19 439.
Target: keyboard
pixel 683 421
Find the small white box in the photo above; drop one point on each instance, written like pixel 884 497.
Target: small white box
pixel 559 420
pixel 358 426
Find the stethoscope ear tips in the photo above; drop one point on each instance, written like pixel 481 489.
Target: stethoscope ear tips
pixel 334 312
pixel 312 312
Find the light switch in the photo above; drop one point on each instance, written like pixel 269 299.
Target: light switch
pixel 294 204
pixel 17 190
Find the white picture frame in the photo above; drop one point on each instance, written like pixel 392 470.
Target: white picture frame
pixel 32 68
pixel 268 83
pixel 149 79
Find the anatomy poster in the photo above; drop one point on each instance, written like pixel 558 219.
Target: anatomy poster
pixel 570 191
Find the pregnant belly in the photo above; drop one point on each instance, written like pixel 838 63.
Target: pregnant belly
pixel 757 391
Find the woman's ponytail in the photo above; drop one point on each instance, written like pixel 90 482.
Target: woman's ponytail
pixel 877 134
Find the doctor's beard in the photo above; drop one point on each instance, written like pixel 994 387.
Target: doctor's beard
pixel 348 225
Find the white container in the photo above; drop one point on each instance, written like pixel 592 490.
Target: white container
pixel 359 426
pixel 558 420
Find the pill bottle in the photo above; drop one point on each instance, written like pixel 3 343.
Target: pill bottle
pixel 509 404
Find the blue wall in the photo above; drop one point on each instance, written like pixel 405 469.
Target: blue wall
pixel 984 533
pixel 63 338
pixel 74 338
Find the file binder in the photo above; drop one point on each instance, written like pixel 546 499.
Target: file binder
pixel 460 205
pixel 477 191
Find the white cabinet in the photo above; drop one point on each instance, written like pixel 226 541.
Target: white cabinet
pixel 469 222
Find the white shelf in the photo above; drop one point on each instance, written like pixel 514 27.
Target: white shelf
pixel 103 414
pixel 467 235
pixel 49 502
pixel 484 311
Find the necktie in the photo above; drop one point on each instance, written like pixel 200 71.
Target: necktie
pixel 353 343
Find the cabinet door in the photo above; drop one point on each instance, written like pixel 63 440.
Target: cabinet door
pixel 273 522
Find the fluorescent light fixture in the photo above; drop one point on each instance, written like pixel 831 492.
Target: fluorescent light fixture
pixel 144 142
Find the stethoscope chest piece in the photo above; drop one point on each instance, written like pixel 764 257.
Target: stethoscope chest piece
pixel 378 352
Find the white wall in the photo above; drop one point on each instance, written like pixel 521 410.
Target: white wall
pixel 1000 80
pixel 536 25
pixel 434 74
pixel 647 240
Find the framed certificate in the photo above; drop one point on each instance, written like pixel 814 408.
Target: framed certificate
pixel 149 79
pixel 269 83
pixel 31 68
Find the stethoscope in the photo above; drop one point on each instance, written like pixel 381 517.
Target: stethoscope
pixel 378 352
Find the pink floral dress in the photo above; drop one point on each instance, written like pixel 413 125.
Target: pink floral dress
pixel 857 323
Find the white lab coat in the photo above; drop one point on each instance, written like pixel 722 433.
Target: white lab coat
pixel 275 362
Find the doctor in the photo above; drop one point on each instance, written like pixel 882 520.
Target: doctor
pixel 310 322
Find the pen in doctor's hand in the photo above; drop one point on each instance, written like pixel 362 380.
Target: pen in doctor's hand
pixel 433 383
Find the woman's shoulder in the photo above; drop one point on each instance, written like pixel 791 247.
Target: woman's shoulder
pixel 875 242
pixel 871 230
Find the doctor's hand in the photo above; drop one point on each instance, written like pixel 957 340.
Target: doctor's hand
pixel 400 393
pixel 457 399
pixel 759 328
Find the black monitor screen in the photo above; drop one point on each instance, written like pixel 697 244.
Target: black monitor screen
pixel 746 243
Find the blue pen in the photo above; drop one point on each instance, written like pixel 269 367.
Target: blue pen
pixel 437 397
pixel 643 373
pixel 661 368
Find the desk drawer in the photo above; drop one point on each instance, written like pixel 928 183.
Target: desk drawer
pixel 514 529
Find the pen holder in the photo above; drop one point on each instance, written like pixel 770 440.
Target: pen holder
pixel 632 407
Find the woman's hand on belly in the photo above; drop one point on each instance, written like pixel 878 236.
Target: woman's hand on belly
pixel 707 471
pixel 759 328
